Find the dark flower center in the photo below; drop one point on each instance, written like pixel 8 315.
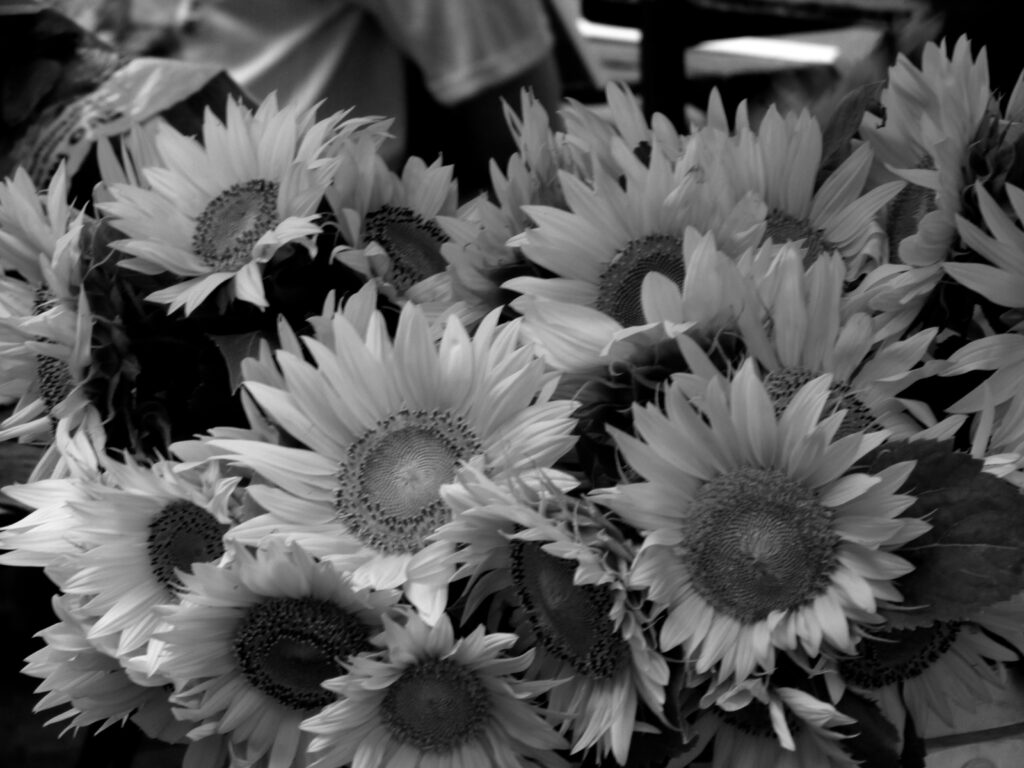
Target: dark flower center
pixel 55 382
pixel 906 210
pixel 899 654
pixel 53 374
pixel 182 534
pixel 412 242
pixel 389 484
pixel 233 222
pixel 287 647
pixel 760 543
pixel 781 228
pixel 436 705
pixel 619 288
pixel 783 384
pixel 570 620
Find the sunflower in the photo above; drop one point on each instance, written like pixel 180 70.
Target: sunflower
pixel 32 224
pixel 216 212
pixel 478 255
pixel 1001 281
pixel 756 725
pixel 145 525
pixel 50 530
pixel 433 699
pixel 601 249
pixel 115 534
pixel 384 425
pixel 807 331
pixel 478 250
pixel 932 114
pixel 838 215
pixel 47 357
pixel 757 534
pixel 591 134
pixel 45 343
pixel 936 674
pixel 531 174
pixel 541 556
pixel 249 647
pixel 718 297
pixel 88 680
pixel 389 223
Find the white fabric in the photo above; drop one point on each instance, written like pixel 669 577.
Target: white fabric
pixel 349 52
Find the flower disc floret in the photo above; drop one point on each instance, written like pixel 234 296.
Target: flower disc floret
pixel 760 543
pixel 286 647
pixel 412 242
pixel 619 287
pixel 572 621
pixel 436 705
pixel 782 384
pixel 900 655
pixel 231 223
pixel 181 534
pixel 389 484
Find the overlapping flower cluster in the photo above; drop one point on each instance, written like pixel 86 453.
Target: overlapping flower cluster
pixel 670 449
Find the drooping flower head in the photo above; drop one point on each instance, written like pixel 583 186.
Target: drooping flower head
pixel 756 724
pixel 479 252
pixel 46 325
pixel 808 330
pixel 88 680
pixel 592 134
pixel 539 554
pixel 937 674
pixel 932 114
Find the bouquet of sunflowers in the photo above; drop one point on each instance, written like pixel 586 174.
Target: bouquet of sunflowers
pixel 673 449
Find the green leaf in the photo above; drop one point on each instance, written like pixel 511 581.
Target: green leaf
pixel 844 124
pixel 235 348
pixel 974 554
pixel 873 740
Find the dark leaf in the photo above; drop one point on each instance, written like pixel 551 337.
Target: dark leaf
pixel 974 554
pixel 913 746
pixel 23 91
pixel 873 739
pixel 843 125
pixel 235 348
